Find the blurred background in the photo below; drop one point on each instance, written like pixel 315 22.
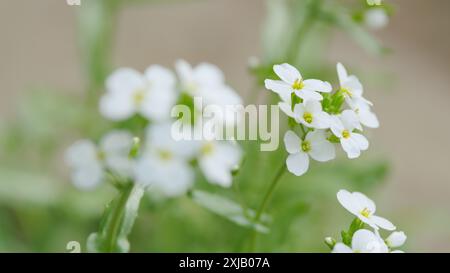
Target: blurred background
pixel 51 57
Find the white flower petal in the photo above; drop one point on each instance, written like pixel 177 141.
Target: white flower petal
pixel 287 73
pixel 365 241
pixel 123 80
pixel 341 248
pixel 346 199
pixel 383 223
pixel 292 142
pixel 87 177
pixel 298 163
pixel 306 95
pixel 317 85
pixel 321 149
pixel 286 108
pixel 81 153
pixel 362 142
pixel 160 76
pixel 184 71
pixel 350 147
pixel 281 88
pixel 364 202
pixel 350 120
pixel 368 119
pixel 208 74
pixel 321 120
pixel 342 73
pixel 117 106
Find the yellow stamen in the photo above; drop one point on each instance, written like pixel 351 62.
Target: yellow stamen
pixel 346 92
pixel 138 97
pixel 207 149
pixel 298 84
pixel 165 155
pixel 365 212
pixel 308 117
pixel 306 146
pixel 345 134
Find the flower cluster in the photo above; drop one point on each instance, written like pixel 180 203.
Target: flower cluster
pixel 162 161
pixel 360 240
pixel 311 105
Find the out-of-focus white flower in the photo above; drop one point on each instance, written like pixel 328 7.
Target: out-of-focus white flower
pixel 89 162
pixel 363 208
pixel 342 127
pixel 315 145
pixel 292 81
pixel 365 115
pixel 374 2
pixel 363 241
pixel 309 113
pixel 129 92
pixel 217 160
pixel 350 86
pixel 376 18
pixel 208 82
pixel 164 163
pixel 396 239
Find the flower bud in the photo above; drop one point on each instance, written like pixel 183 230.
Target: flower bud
pixel 396 239
pixel 330 242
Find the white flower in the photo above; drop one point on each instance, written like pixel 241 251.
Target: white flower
pixel 374 2
pixel 208 82
pixel 342 127
pixel 396 239
pixel 364 113
pixel 363 241
pixel 363 208
pixel 164 164
pixel 217 159
pixel 309 113
pixel 89 162
pixel 350 85
pixel 128 92
pixel 292 81
pixel 314 145
pixel 376 18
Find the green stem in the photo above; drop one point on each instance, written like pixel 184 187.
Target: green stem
pixel 264 203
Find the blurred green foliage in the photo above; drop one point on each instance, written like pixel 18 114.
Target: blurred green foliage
pixel 40 211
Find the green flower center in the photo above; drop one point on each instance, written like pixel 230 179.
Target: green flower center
pixel 308 117
pixel 306 146
pixel 139 97
pixel 298 84
pixel 165 155
pixel 346 92
pixel 345 134
pixel 101 155
pixel 365 212
pixel 207 149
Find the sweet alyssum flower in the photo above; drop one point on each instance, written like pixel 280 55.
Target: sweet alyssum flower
pixel 315 145
pixel 292 82
pixel 129 92
pixel 89 162
pixel 164 165
pixel 350 86
pixel 343 127
pixel 208 82
pixel 362 207
pixel 308 113
pixel 363 241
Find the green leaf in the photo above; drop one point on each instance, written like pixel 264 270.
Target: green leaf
pixel 117 222
pixel 229 210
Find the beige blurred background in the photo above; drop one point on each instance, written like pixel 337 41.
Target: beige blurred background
pixel 38 48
